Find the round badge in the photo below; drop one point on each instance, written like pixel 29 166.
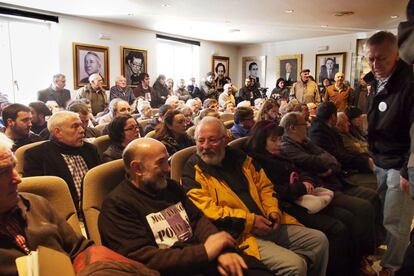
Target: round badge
pixel 382 106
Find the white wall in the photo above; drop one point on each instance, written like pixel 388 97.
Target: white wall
pixel 75 29
pixel 307 47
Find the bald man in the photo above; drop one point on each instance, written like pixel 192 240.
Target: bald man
pixel 339 93
pixel 149 219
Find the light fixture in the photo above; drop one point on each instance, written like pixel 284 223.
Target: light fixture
pixel 289 11
pixel 324 26
pixel 394 16
pixel 165 5
pixel 343 13
pixel 234 31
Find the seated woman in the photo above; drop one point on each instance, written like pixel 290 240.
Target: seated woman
pixel 172 132
pixel 269 111
pixel 338 223
pixel 122 130
pixel 280 91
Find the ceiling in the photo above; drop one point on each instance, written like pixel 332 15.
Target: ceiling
pixel 235 21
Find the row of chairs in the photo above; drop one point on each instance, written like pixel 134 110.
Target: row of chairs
pixel 97 184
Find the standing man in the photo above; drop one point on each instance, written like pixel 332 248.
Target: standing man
pixel 56 91
pixel 208 87
pixel 94 92
pixel 305 90
pixel 390 115
pixel 339 93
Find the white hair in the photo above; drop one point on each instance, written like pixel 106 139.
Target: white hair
pixel 93 77
pixel 226 86
pixel 210 120
pixel 117 79
pixel 191 102
pixel 5 142
pixel 142 105
pixel 58 119
pixel 244 104
pixel 170 99
pixel 113 105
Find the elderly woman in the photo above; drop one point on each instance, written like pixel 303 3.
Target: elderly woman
pixel 347 231
pixel 172 132
pixel 122 130
pixel 116 107
pixel 121 90
pixel 144 109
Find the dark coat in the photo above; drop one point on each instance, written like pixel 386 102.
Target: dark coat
pixel 48 94
pixel 330 140
pixel 46 159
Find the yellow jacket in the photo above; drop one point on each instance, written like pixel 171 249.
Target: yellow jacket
pixel 211 194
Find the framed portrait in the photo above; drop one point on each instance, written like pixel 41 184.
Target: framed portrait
pixel 327 65
pixel 88 60
pixel 255 68
pixel 133 63
pixel 359 62
pixel 288 67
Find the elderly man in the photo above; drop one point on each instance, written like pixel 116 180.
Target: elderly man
pixel 351 143
pixel 305 90
pixel 27 220
pixel 234 192
pixel 94 92
pixel 66 154
pixel 227 96
pixel 121 90
pixel 339 93
pixel 148 218
pixel 56 92
pixel 390 115
pixel 116 107
pixel 18 122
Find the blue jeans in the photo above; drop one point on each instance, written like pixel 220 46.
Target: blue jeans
pixel 398 214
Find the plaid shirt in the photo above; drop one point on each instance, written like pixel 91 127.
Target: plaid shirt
pixel 12 226
pixel 78 168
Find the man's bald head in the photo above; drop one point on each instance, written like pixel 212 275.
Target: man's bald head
pixel 140 149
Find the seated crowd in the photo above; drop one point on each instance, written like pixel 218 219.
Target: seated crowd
pixel 296 197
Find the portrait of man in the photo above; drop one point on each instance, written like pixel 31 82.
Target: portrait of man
pixel 328 70
pixel 254 71
pixel 92 63
pixel 134 64
pixel 288 71
pixel 89 60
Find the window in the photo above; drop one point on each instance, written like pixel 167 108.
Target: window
pixel 29 57
pixel 177 60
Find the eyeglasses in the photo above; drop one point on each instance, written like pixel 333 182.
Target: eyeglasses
pixel 131 128
pixel 211 141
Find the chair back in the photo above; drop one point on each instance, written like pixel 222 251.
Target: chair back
pixel 143 124
pixel 56 191
pixel 102 143
pixel 20 155
pixel 150 134
pixel 239 143
pixel 228 124
pixel 178 161
pixel 227 117
pixel 190 131
pixel 97 184
pixel 101 127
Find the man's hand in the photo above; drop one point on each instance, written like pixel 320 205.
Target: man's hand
pixel 404 185
pixel 309 187
pixel 261 226
pixel 275 218
pixel 327 173
pixel 231 264
pixel 217 242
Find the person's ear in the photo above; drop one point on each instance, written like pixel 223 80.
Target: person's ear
pixel 10 122
pixel 137 167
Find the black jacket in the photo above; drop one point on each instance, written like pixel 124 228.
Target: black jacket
pixel 330 140
pixel 46 159
pixel 388 130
